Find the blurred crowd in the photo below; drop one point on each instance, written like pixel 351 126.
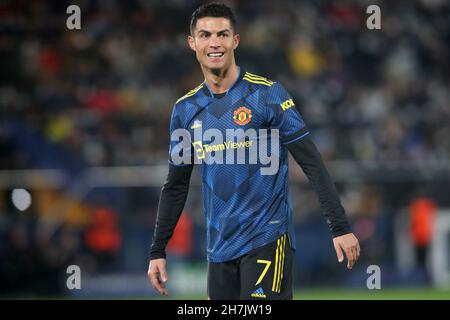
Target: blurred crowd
pixel 106 91
pixel 103 95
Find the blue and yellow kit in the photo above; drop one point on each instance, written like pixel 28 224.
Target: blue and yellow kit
pixel 244 208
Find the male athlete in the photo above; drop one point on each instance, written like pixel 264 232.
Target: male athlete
pixel 250 235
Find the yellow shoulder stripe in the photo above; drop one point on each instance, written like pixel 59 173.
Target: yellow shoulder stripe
pixel 256 76
pixel 259 82
pixel 257 79
pixel 190 93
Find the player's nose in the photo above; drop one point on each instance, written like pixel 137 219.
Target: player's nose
pixel 214 46
pixel 214 43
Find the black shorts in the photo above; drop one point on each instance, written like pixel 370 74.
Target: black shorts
pixel 263 273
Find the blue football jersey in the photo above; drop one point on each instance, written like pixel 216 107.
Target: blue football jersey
pixel 245 206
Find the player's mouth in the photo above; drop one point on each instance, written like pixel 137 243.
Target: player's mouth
pixel 215 56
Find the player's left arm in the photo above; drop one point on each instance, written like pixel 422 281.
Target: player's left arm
pixel 309 159
pixel 283 114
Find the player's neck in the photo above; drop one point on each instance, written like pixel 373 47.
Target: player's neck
pixel 219 81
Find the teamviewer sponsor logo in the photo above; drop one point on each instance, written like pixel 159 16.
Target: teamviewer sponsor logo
pixel 235 146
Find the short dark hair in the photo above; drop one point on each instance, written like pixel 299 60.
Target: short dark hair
pixel 216 10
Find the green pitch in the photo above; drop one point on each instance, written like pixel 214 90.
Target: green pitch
pixel 357 294
pixel 382 294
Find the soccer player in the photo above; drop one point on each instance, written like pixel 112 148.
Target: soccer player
pixel 250 235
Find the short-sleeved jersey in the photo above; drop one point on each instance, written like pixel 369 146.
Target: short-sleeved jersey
pixel 245 208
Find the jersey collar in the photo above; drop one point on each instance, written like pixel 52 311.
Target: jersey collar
pixel 209 92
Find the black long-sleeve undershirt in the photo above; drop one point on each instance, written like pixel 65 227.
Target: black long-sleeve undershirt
pixel 309 159
pixel 175 190
pixel 171 203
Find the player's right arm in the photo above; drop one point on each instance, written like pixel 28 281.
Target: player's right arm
pixel 171 203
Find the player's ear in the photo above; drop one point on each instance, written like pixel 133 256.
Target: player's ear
pixel 191 42
pixel 236 39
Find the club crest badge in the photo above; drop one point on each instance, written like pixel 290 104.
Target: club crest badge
pixel 242 116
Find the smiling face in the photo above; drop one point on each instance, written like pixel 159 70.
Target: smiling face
pixel 214 42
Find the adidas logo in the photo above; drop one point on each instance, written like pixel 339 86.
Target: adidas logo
pixel 259 293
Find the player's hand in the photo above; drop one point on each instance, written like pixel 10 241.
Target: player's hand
pixel 157 275
pixel 349 244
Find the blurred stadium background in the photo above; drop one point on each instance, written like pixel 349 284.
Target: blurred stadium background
pixel 84 134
